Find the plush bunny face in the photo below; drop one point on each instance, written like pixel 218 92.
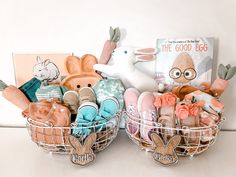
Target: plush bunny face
pixel 81 72
pixel 123 67
pixel 123 53
pixel 165 153
pixel 83 153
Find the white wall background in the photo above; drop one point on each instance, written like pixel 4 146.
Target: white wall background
pixel 81 26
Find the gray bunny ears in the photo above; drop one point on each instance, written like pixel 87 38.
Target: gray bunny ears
pixel 82 153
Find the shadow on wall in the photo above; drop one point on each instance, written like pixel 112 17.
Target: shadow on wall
pixel 215 59
pixel 230 94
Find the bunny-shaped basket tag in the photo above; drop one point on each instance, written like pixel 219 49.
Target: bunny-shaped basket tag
pixel 82 153
pixel 165 153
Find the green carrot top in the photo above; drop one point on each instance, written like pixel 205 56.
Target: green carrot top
pixel 3 85
pixel 114 34
pixel 226 72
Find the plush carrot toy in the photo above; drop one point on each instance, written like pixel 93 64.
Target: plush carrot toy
pixel 14 95
pixel 109 45
pixel 225 73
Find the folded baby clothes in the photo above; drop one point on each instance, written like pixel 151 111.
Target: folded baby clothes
pixel 30 88
pixel 209 103
pixel 71 99
pixel 50 122
pixel 50 92
pixel 87 112
pixel 109 88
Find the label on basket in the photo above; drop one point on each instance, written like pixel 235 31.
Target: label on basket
pixel 165 153
pixel 82 159
pixel 82 153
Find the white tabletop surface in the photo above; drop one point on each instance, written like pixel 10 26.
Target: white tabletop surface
pixel 21 157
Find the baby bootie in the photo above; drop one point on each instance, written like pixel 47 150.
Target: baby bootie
pixel 87 112
pixel 109 107
pixel 71 98
pixel 148 115
pixel 131 96
pixel 86 94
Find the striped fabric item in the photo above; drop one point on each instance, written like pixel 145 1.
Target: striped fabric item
pixel 50 91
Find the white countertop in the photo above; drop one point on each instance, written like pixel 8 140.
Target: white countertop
pixel 21 157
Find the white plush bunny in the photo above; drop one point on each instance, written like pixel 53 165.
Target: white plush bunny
pixel 124 59
pixel 45 70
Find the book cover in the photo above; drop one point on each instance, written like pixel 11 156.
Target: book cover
pixel 184 61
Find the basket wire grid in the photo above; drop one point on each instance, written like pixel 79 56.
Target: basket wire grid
pixel 194 140
pixel 55 139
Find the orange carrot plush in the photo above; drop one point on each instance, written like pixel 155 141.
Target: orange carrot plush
pixel 14 95
pixel 225 73
pixel 109 45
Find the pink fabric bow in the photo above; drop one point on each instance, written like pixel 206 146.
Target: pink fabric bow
pixel 167 99
pixel 184 111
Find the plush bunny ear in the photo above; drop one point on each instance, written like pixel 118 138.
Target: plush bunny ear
pixel 145 51
pixel 90 140
pixel 72 64
pixel 174 141
pixel 87 62
pixel 157 140
pixel 145 54
pixel 145 57
pixel 74 142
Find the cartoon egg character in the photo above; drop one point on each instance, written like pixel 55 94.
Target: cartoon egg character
pixel 183 69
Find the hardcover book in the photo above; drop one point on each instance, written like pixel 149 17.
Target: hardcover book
pixel 184 61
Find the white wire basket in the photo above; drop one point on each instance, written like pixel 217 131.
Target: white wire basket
pixel 56 139
pixel 194 140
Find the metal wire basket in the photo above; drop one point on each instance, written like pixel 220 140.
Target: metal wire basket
pixel 194 140
pixel 56 139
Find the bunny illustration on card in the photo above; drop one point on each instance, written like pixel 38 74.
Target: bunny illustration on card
pixel 123 68
pixel 81 72
pixel 165 153
pixel 82 153
pixel 45 70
